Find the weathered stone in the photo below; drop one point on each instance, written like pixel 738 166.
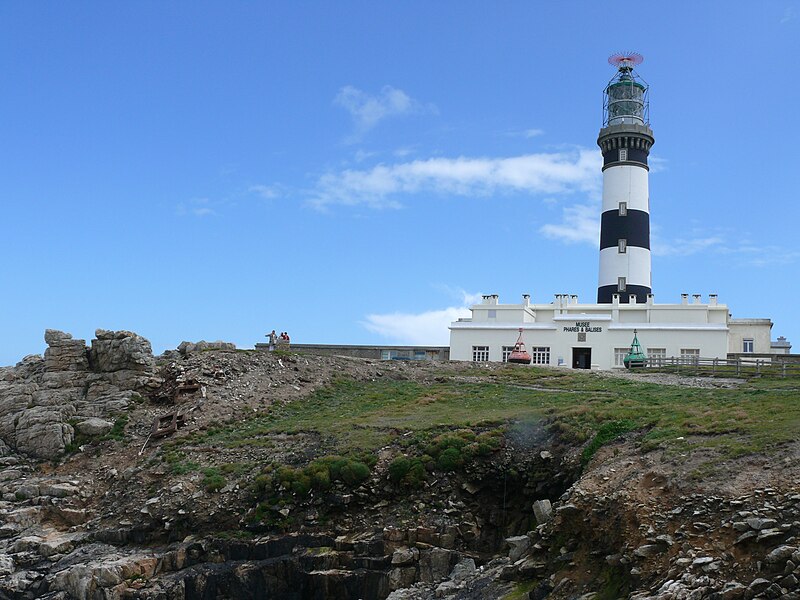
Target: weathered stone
pixel 435 564
pixel 748 535
pixel 648 550
pixel 186 348
pixel 405 556
pixel 6 565
pixel 543 511
pixel 401 577
pixel 568 510
pixel 758 585
pixel 518 545
pixel 94 426
pixel 40 397
pixel 392 534
pixel 733 590
pixel 446 588
pixel 758 524
pixel 463 569
pixel 779 555
pixel 769 534
pixel 64 353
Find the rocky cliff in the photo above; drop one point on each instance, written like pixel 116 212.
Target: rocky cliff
pixel 44 399
pixel 321 477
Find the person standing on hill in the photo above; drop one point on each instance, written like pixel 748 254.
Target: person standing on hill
pixel 273 338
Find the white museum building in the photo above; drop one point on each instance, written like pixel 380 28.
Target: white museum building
pixel 597 336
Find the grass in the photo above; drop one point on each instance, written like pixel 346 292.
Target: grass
pixel 521 590
pixel 353 416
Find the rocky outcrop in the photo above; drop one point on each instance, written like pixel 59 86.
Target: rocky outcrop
pixel 42 397
pixel 188 347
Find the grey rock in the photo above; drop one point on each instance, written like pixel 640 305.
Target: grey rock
pixel 568 510
pixel 518 545
pixel 543 511
pixel 758 523
pixel 405 556
pixel 733 590
pixel 779 555
pixel 446 588
pixel 6 565
pixel 94 426
pixel 401 577
pixel 769 534
pixel 463 569
pixel 120 351
pixel 648 550
pixel 758 585
pixel 40 396
pixel 748 535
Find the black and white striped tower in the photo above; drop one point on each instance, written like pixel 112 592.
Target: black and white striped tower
pixel 625 141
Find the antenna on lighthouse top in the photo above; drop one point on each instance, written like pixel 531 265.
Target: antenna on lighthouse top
pixel 625 60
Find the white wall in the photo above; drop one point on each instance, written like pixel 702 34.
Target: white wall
pixel 756 329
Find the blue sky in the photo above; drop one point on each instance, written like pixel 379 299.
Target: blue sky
pixel 355 172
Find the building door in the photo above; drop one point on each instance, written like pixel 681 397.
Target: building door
pixel 581 358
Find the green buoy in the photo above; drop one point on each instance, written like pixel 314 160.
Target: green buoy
pixel 635 357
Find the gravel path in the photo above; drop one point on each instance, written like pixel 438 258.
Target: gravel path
pixel 673 379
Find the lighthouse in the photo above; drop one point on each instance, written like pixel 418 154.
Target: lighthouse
pixel 625 142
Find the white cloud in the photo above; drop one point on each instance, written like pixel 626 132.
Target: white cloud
pixel 368 110
pixel 526 133
pixel 686 246
pixel 196 207
pixel 425 328
pixel 657 164
pixel 378 187
pixel 788 15
pixel 580 224
pixel 267 192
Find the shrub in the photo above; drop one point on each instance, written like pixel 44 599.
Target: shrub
pixel 262 483
pixel 449 460
pixel 354 473
pixel 213 481
pixel 416 474
pixel 398 468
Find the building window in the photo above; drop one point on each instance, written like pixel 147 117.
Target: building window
pixel 622 245
pixel 623 154
pixel 420 355
pixel 480 354
pixel 507 350
pixel 492 313
pixel 748 345
pixel 540 355
pixel 386 354
pixel 621 284
pixel 656 356
pixel 623 209
pixel 619 356
pixel 690 356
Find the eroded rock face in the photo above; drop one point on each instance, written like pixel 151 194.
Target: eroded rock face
pixel 40 396
pixel 120 351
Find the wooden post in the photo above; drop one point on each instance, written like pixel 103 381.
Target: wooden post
pixel 738 365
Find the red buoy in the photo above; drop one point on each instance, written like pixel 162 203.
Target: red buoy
pixel 519 355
